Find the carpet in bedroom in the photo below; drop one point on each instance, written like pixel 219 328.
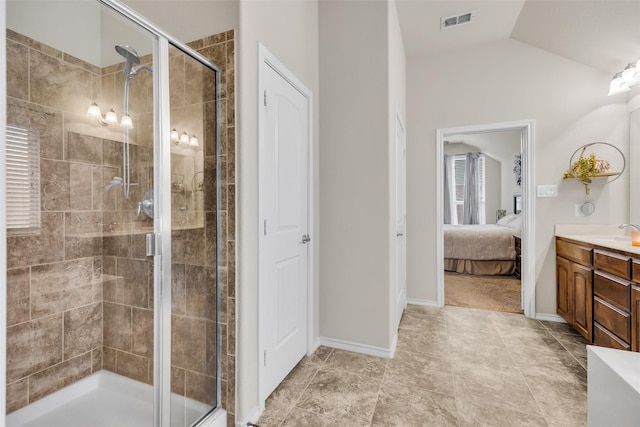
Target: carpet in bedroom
pixel 495 293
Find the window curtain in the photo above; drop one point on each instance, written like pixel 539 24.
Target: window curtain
pixel 471 208
pixel 450 213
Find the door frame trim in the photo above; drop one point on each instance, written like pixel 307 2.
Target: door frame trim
pixel 526 127
pixel 267 59
pixel 399 122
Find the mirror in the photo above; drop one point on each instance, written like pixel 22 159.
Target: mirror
pixel 634 172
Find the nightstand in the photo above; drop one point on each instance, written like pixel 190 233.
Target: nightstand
pixel 518 245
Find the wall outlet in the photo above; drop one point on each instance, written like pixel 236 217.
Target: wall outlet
pixel 548 190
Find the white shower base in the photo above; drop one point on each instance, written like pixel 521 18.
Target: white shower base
pixel 105 399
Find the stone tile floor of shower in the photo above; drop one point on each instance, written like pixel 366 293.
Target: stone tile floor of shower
pixel 452 366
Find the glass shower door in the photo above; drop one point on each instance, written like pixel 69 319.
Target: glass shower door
pixel 194 290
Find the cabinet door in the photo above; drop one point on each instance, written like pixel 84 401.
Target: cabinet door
pixel 564 289
pixel 582 278
pixel 635 318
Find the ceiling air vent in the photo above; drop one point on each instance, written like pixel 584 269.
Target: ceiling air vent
pixel 452 21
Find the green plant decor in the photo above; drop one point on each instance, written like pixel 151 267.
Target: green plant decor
pixel 584 168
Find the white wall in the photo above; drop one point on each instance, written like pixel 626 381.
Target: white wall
pixel 289 30
pixel 75 29
pixel 507 81
pixel 493 188
pixel 362 77
pixel 354 211
pixel 502 146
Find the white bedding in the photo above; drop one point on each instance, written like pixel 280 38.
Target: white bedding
pixel 479 242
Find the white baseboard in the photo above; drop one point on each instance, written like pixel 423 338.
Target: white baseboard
pixel 424 302
pixel 550 317
pixel 387 353
pixel 253 418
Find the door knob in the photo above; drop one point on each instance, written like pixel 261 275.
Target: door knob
pixel 399 234
pixel 305 238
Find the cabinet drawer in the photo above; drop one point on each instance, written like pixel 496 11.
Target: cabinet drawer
pixel 619 265
pixel 604 338
pixel 612 318
pixel 580 254
pixel 612 289
pixel 635 270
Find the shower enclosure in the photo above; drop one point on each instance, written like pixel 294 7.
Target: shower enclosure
pixel 113 294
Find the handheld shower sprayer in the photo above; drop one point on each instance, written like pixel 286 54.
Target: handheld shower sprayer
pixel 131 58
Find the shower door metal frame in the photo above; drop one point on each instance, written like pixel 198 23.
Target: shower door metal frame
pixel 162 216
pixel 3 220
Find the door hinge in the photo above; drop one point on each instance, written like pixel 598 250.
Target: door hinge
pixel 265 97
pixel 265 227
pixel 265 358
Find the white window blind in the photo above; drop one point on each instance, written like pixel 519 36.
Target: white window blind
pixel 23 180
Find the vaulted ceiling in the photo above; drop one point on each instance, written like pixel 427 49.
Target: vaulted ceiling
pixel 604 34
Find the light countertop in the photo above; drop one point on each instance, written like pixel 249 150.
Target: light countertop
pixel 608 236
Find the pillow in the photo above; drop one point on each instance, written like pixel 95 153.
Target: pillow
pixel 516 223
pixel 506 219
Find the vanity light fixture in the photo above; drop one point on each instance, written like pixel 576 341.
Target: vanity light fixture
pixel 623 80
pixel 109 119
pixel 183 138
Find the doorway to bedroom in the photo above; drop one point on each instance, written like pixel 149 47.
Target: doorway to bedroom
pixel 482 216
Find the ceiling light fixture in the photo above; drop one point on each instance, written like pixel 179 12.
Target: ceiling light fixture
pixel 183 138
pixel 108 119
pixel 623 80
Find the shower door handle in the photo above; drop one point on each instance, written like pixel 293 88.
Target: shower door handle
pixel 153 244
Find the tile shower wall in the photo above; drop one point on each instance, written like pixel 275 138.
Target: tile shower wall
pixel 54 278
pixel 88 263
pixel 220 49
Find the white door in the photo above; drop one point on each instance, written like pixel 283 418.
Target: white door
pixel 284 227
pixel 401 221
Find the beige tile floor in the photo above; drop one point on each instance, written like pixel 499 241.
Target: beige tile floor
pixel 453 367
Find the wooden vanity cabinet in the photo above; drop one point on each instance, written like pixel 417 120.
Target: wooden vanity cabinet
pixel 635 317
pixel 635 305
pixel 598 293
pixel 564 289
pixel 574 286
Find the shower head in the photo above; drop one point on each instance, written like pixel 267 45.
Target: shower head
pixel 128 53
pixel 116 181
pixel 131 57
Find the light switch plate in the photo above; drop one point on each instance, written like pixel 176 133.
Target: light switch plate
pixel 548 190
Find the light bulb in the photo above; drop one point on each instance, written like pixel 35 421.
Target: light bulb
pixel 616 85
pixel 111 117
pixel 94 111
pixel 127 122
pixel 184 138
pixel 193 141
pixel 175 136
pixel 636 77
pixel 629 73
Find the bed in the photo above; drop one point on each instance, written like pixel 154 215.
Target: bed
pixel 487 249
